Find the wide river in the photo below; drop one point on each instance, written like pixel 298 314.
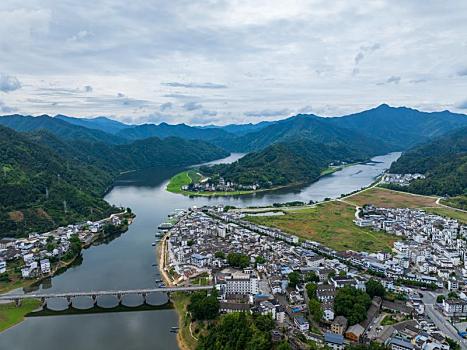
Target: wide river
pixel 128 262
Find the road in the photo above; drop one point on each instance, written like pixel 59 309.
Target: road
pixel 438 319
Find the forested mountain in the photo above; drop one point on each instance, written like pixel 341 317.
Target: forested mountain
pixel 164 130
pixel 99 123
pixel 47 181
pixel 443 161
pixel 285 163
pixel 310 127
pixel 400 127
pixel 58 127
pixel 40 190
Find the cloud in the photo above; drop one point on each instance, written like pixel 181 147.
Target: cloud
pixel 6 109
pixel 166 106
pixel 359 57
pixel 268 113
pixel 195 85
pixel 393 79
pixel 462 72
pixel 80 36
pixel 9 83
pixel 88 88
pixel 120 95
pixel 462 105
pixel 192 106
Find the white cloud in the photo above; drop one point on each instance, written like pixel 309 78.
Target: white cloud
pixel 9 83
pixel 237 58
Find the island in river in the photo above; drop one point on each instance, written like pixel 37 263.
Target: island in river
pixel 132 255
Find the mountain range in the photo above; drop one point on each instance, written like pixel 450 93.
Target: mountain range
pixel 43 158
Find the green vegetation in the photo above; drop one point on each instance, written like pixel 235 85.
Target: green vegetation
pixel 443 161
pixel 238 260
pixel 48 182
pixel 287 163
pixel 330 223
pixel 352 303
pixel 316 311
pixel 456 202
pixel 450 213
pixel 239 331
pixel 294 279
pixel 375 288
pixel 11 315
pixel 203 306
pixel 371 346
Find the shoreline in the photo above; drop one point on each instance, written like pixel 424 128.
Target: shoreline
pixel 161 256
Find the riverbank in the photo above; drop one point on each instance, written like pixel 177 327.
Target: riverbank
pixel 179 300
pixel 10 314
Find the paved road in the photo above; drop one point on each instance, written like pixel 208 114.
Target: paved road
pixel 429 300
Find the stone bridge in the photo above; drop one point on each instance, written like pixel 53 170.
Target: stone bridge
pixel 17 298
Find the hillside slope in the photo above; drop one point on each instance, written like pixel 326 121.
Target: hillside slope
pixel 285 163
pixel 41 190
pixel 443 161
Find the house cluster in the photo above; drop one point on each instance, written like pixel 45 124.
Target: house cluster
pixel 222 185
pixel 200 243
pixel 401 179
pixel 36 253
pixel 433 249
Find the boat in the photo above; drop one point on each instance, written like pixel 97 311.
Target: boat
pixel 153 244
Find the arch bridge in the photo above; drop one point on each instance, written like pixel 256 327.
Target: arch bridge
pixel 17 298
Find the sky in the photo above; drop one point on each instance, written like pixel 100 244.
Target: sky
pixel 221 62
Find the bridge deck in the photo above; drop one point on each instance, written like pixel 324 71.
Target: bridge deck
pixel 102 292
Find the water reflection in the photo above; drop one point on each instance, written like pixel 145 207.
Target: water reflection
pixel 129 262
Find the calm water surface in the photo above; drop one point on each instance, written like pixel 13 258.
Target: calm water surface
pixel 128 262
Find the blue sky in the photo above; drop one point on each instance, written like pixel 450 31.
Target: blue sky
pixel 203 62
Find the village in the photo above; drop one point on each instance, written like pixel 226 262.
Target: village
pixel 221 185
pixel 41 254
pixel 400 179
pixel 302 283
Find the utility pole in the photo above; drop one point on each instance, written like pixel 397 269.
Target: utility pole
pixel 64 207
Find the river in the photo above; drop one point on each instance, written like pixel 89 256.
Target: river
pixel 128 262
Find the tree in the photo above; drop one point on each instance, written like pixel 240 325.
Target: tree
pixel 316 310
pixel 283 345
pixel 237 330
pixel 203 306
pixel 294 279
pixel 220 255
pixel 453 295
pixel 311 277
pixel 311 290
pixel 375 288
pixel 440 298
pixel 352 303
pixel 264 323
pixel 238 260
pixel 260 260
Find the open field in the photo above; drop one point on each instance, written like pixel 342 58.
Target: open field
pixel 11 315
pixel 450 213
pixel 384 198
pixel 329 223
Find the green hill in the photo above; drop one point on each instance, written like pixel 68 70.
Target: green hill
pixel 48 182
pixel 443 161
pixel 286 163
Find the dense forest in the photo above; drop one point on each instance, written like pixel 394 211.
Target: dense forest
pixel 443 161
pixel 47 181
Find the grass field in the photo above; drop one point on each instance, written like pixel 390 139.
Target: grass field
pixel 329 223
pixel 385 198
pixel 185 339
pixel 450 213
pixel 11 315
